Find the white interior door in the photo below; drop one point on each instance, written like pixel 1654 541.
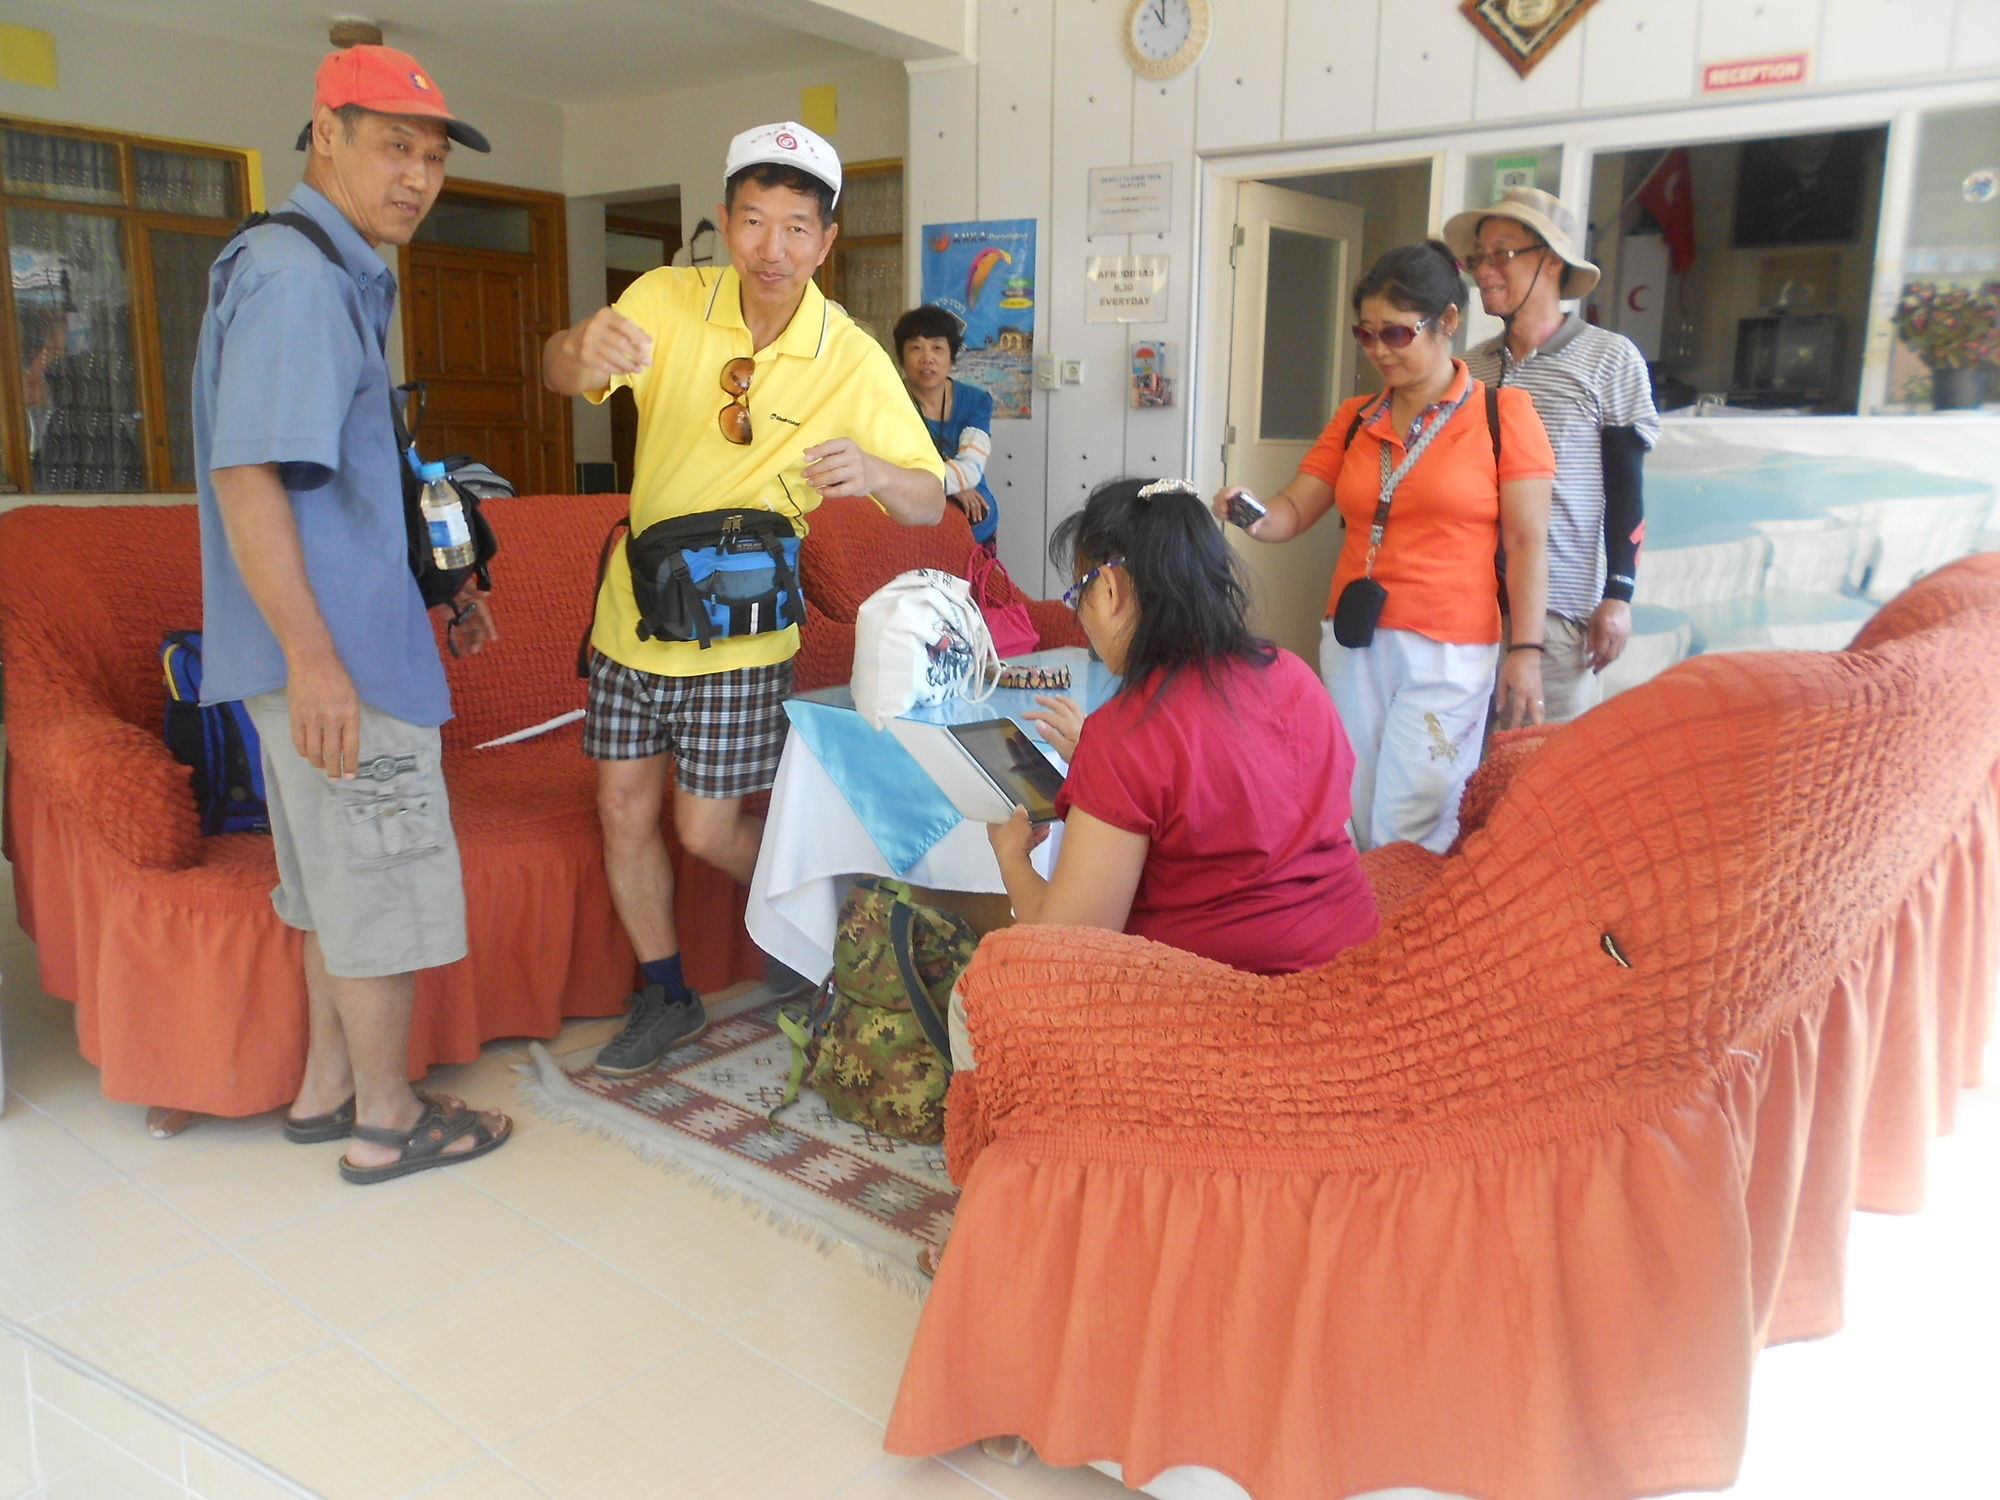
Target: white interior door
pixel 1289 366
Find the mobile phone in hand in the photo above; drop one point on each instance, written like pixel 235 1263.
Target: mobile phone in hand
pixel 1245 509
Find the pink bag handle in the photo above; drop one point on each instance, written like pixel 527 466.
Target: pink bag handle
pixel 979 571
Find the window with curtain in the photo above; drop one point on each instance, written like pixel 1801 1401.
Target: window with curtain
pixel 107 239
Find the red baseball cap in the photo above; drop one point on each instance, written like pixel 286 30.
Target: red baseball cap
pixel 387 82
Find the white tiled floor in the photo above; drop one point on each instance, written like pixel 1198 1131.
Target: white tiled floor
pixel 557 1319
pixel 563 1319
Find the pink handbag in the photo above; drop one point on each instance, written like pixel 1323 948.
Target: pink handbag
pixel 1010 625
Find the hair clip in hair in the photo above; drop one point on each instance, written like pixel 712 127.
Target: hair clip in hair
pixel 1169 487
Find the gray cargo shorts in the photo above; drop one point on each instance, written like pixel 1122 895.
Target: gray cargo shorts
pixel 369 865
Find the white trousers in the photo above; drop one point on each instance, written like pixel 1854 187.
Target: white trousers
pixel 1415 712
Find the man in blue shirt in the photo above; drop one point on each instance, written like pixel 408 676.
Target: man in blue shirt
pixel 313 618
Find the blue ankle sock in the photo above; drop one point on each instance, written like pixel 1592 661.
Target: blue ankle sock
pixel 666 973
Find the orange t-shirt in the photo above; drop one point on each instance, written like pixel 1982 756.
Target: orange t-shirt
pixel 1436 558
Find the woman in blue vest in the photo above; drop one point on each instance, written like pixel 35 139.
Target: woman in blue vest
pixel 960 416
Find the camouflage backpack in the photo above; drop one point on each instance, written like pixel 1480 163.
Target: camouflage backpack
pixel 875 1038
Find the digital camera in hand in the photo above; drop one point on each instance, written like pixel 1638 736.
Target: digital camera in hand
pixel 1246 510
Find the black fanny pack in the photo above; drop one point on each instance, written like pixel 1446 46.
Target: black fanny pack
pixel 712 575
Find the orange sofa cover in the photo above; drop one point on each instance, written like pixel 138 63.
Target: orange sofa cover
pixel 1475 1207
pixel 188 989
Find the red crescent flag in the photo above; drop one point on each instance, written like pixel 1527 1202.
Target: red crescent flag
pixel 1668 195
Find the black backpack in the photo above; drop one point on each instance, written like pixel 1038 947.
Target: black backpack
pixel 471 480
pixel 218 744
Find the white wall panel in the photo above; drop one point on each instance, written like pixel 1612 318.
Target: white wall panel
pixel 1163 130
pixel 1092 128
pixel 1240 80
pixel 1639 52
pixel 941 168
pixel 1330 68
pixel 1016 49
pixel 1882 38
pixel 1426 68
pixel 1732 29
pixel 679 138
pixel 1975 35
pixel 1554 87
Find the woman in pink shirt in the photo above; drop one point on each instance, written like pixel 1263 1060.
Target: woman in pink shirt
pixel 1207 802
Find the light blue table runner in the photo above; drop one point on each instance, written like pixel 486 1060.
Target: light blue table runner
pixel 893 797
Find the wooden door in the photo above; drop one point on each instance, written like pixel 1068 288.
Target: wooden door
pixel 484 286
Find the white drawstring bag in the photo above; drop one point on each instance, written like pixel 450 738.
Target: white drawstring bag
pixel 920 639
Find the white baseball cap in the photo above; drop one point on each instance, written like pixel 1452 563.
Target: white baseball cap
pixel 786 144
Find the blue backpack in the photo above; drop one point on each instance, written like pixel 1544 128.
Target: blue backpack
pixel 218 743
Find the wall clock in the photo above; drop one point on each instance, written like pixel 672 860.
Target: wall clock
pixel 1164 38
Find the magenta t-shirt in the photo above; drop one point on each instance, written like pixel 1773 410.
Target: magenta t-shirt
pixel 1243 790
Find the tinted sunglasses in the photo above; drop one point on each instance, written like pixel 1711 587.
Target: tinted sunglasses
pixel 734 419
pixel 1395 336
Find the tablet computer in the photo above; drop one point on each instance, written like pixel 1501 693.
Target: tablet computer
pixel 987 768
pixel 1010 760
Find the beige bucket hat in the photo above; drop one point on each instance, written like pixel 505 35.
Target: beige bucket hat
pixel 1542 212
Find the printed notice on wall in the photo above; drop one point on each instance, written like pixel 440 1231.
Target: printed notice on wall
pixel 1125 289
pixel 1131 200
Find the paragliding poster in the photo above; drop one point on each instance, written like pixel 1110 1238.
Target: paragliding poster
pixel 984 272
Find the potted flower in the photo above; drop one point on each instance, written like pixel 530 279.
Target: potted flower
pixel 1953 330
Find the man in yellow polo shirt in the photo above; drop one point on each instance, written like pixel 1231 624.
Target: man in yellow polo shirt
pixel 753 390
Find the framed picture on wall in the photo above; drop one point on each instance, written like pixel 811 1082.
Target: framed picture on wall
pixel 1801 189
pixel 1799 281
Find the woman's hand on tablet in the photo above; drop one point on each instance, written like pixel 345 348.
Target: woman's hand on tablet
pixel 1061 722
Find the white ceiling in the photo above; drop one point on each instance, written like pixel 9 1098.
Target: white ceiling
pixel 561 51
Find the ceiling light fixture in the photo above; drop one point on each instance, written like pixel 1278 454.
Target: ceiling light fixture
pixel 354 31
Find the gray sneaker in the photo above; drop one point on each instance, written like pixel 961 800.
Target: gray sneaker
pixel 653 1030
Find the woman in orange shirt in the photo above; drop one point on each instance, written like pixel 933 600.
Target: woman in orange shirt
pixel 1411 645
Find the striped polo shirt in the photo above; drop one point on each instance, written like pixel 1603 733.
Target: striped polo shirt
pixel 1583 380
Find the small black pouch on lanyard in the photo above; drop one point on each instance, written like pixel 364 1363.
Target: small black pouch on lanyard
pixel 1357 611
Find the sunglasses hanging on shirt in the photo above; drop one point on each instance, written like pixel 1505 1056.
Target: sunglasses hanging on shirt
pixel 734 419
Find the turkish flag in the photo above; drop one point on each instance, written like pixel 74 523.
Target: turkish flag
pixel 1668 195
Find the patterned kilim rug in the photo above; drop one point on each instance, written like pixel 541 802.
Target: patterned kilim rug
pixel 702 1112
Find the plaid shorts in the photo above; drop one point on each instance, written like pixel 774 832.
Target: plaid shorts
pixel 726 730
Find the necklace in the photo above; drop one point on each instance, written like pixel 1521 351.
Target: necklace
pixel 1403 416
pixel 944 403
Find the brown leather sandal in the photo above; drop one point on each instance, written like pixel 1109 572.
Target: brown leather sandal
pixel 310 1130
pixel 443 1121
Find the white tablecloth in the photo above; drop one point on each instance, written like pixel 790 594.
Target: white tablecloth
pixel 813 849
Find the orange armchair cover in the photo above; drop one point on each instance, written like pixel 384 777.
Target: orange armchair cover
pixel 1478 1207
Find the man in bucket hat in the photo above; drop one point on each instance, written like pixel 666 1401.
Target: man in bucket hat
pixel 312 616
pixel 753 391
pixel 1592 392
